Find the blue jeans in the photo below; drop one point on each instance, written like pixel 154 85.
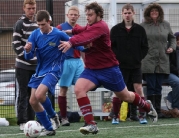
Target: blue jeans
pixel 154 83
pixel 173 96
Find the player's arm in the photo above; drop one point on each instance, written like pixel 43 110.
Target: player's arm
pixel 78 30
pixel 89 35
pixel 29 48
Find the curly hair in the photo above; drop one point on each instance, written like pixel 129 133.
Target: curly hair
pixel 96 7
pixel 147 11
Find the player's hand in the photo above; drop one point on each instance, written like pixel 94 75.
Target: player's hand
pixel 88 45
pixel 68 31
pixel 64 46
pixel 28 47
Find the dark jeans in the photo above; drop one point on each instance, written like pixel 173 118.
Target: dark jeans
pixel 24 109
pixel 173 96
pixel 154 83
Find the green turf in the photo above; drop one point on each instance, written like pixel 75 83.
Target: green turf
pixel 164 128
pixel 7 111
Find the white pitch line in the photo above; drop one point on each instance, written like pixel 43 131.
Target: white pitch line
pixel 122 127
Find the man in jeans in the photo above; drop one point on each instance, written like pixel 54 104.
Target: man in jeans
pixel 24 69
pixel 172 99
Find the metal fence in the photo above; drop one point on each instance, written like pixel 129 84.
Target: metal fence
pixel 11 10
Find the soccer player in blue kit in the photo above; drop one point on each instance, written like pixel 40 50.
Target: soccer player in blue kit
pixel 43 42
pixel 73 65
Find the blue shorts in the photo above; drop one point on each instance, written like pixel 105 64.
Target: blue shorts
pixel 110 78
pixel 72 69
pixel 49 80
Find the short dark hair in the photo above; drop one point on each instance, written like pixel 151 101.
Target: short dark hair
pixel 96 7
pixel 41 15
pixel 128 6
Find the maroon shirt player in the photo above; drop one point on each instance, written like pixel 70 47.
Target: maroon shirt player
pixel 101 67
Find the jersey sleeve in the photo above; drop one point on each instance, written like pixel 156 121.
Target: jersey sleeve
pixel 64 36
pixel 31 39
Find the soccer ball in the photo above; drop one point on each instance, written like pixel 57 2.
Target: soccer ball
pixel 32 129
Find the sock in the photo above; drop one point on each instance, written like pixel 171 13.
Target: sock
pixel 48 107
pixel 138 101
pixel 62 103
pixel 116 106
pixel 43 118
pixel 86 110
pixel 142 112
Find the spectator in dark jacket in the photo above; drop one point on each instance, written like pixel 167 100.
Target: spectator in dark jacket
pixel 130 45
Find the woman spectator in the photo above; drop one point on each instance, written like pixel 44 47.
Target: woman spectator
pixel 155 66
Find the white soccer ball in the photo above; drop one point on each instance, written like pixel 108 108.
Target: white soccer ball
pixel 32 129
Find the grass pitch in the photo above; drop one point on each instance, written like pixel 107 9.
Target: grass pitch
pixel 164 128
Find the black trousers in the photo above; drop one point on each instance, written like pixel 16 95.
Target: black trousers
pixel 24 109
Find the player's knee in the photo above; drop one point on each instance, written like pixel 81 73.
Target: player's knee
pixel 32 102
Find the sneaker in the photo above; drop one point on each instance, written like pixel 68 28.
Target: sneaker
pixel 142 120
pixel 22 126
pixel 47 133
pixel 168 103
pixel 152 113
pixel 89 129
pixel 115 121
pixel 55 122
pixel 65 122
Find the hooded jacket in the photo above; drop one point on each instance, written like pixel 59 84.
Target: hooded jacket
pixel 160 38
pixel 21 31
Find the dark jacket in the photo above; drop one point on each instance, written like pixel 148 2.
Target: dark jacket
pixel 174 66
pixel 21 31
pixel 129 47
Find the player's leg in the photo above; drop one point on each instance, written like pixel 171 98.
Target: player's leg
pixel 69 69
pixel 137 83
pixel 62 104
pixel 41 114
pixel 134 98
pixel 115 82
pixel 48 83
pixel 86 82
